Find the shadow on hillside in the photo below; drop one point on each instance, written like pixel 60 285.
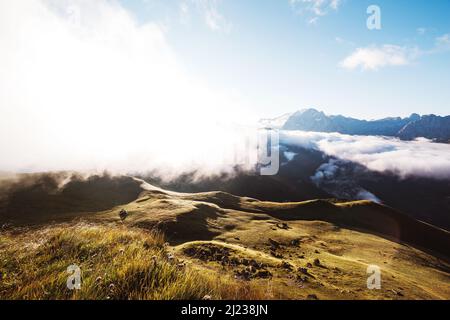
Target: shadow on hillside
pixel 38 197
pixel 192 225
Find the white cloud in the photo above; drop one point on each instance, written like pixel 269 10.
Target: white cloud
pixel 314 8
pixel 374 57
pixel 184 13
pixel 335 4
pixel 421 31
pixel 443 42
pixel 421 157
pixel 84 86
pixel 313 21
pixel 210 12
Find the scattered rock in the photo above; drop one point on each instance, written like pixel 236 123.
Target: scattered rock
pixel 283 226
pixel 234 261
pixel 211 252
pixel 170 257
pixel 207 297
pixel 243 274
pixel 286 265
pixel 251 272
pixel 303 270
pixel 123 214
pixel 6 226
pixel 317 262
pixel 263 274
pixel 255 264
pixel 312 297
pixel 275 244
pixel 399 293
pixel 223 255
pixel 181 265
pixel 295 242
pixel 276 255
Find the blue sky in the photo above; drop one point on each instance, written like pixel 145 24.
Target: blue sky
pixel 281 56
pixel 149 67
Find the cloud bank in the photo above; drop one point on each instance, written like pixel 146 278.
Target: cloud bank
pixel 419 158
pixel 314 8
pixel 374 57
pixel 210 12
pixel 86 87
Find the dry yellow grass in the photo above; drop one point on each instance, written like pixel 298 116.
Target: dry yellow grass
pixel 246 225
pixel 301 250
pixel 116 263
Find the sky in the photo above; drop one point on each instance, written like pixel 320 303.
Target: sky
pixel 137 85
pixel 279 56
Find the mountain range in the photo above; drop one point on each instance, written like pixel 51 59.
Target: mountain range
pixel 431 126
pixel 421 198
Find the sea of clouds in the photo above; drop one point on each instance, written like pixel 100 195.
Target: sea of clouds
pixel 421 157
pixel 84 86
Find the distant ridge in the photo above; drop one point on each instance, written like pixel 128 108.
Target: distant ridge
pixel 427 126
pixel 275 123
pixel 37 199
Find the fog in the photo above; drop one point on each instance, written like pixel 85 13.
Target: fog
pixel 86 87
pixel 421 158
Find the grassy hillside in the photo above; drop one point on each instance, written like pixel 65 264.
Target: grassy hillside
pixel 40 197
pixel 116 263
pixel 224 247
